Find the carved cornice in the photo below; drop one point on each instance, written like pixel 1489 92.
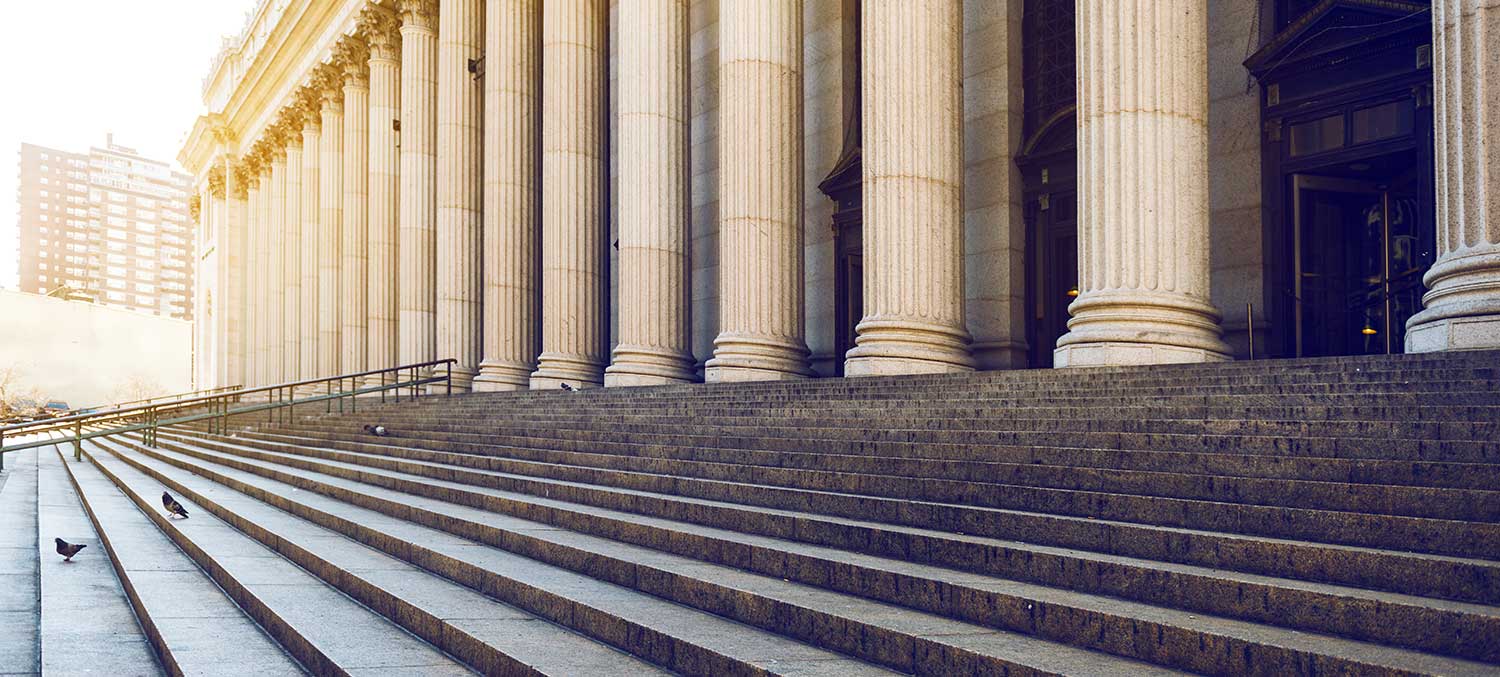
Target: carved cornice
pixel 420 14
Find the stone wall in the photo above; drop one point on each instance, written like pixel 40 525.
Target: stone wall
pixel 84 353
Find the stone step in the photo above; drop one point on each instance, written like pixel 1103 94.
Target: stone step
pixel 902 528
pixel 1181 639
pixel 978 446
pixel 904 640
pixel 20 580
pixel 492 637
pixel 876 477
pixel 193 626
pixel 87 623
pixel 995 463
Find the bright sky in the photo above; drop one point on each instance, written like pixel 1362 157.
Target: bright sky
pixel 73 70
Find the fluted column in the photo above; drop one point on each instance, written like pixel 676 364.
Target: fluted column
pixel 460 291
pixel 291 272
pixel 353 309
pixel 512 34
pixel 1143 268
pixel 330 226
pixel 275 264
pixel 573 171
pixel 761 315
pixel 254 279
pixel 913 190
pixel 265 375
pixel 385 108
pixel 232 291
pixel 416 296
pixel 312 236
pixel 1463 286
pixel 653 133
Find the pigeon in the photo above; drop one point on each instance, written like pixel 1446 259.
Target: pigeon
pixel 173 507
pixel 377 430
pixel 68 550
pixel 569 388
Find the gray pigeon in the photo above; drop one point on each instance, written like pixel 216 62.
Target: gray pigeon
pixel 377 430
pixel 172 506
pixel 569 388
pixel 68 550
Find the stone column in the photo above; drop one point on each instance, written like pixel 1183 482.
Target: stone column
pixel 512 34
pixel 1143 268
pixel 264 297
pixel 460 290
pixel 291 272
pixel 385 109
pixel 654 201
pixel 416 297
pixel 232 273
pixel 274 263
pixel 254 280
pixel 573 173
pixel 312 234
pixel 1463 286
pixel 353 309
pixel 762 318
pixel 912 179
pixel 330 225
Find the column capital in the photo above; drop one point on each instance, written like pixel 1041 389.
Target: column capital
pixel 419 14
pixel 307 101
pixel 328 82
pixel 352 57
pixel 216 181
pixel 382 28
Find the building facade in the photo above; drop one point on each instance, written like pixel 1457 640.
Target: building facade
pixel 635 192
pixel 109 226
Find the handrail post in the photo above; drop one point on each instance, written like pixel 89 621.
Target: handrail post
pixel 448 372
pixel 354 399
pixel 78 440
pixel 2 449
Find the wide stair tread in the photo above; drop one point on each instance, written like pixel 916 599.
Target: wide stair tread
pixel 1220 632
pixel 193 625
pixel 457 617
pixel 87 625
pixel 900 638
pixel 20 613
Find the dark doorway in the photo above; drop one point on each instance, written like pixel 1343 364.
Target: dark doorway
pixel 844 186
pixel 1362 250
pixel 1347 174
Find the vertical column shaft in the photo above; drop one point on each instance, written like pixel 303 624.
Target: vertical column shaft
pixel 913 190
pixel 385 109
pixel 312 240
pixel 353 286
pixel 512 34
pixel 1143 187
pixel 274 266
pixel 1463 298
pixel 330 226
pixel 417 294
pixel 654 202
pixel 232 273
pixel 460 292
pixel 291 273
pixel 573 175
pixel 254 281
pixel 762 316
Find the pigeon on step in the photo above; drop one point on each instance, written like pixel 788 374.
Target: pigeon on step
pixel 569 388
pixel 377 430
pixel 68 550
pixel 172 506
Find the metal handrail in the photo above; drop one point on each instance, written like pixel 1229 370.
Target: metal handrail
pixel 280 399
pixel 151 400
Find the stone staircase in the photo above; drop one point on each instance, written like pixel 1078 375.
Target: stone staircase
pixel 1310 517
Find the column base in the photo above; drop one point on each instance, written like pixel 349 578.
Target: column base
pixel 1454 328
pixel 502 377
pixel 647 366
pixel 1126 328
pixel 1463 304
pixel 891 347
pixel 739 357
pixel 461 380
pixel 553 370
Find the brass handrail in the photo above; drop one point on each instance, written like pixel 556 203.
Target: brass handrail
pixel 151 400
pixel 280 399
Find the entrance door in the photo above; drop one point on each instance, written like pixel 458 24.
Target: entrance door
pixel 1054 270
pixel 849 286
pixel 1359 264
